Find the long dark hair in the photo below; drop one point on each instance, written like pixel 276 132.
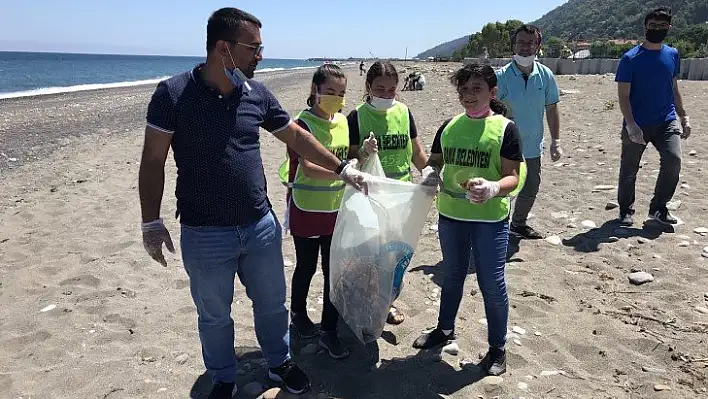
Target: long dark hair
pixel 322 73
pixel 484 72
pixel 376 70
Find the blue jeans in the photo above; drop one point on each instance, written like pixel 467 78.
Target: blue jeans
pixel 487 243
pixel 212 257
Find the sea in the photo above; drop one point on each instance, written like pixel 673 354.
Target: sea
pixel 25 74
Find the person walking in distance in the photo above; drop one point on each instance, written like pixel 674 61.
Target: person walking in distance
pixel 530 90
pixel 651 103
pixel 211 116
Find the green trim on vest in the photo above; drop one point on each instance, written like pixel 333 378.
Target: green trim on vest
pixel 392 130
pixel 471 148
pixel 315 195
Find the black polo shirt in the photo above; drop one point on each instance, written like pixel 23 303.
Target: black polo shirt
pixel 220 177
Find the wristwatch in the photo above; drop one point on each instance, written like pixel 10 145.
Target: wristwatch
pixel 341 167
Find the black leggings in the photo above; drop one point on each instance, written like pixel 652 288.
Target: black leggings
pixel 307 251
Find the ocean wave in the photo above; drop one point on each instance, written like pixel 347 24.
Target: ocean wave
pixel 83 87
pixel 43 91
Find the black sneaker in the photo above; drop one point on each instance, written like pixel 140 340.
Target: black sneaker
pixel 331 342
pixel 222 390
pixel 494 362
pixel 433 339
pixel 663 217
pixel 295 380
pixel 625 219
pixel 525 232
pixel 305 328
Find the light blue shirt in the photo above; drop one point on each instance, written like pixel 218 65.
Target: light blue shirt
pixel 527 101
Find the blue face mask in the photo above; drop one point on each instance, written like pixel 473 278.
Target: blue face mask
pixel 235 76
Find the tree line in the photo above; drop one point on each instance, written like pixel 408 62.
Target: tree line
pixel 494 41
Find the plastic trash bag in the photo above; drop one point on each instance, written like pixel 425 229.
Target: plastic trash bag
pixel 374 239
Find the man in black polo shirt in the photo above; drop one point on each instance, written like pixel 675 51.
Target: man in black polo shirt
pixel 211 117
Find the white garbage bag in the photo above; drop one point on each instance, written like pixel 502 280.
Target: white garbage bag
pixel 373 242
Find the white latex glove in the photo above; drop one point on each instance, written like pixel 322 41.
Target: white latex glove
pixel 556 150
pixel 154 235
pixel 686 127
pixel 353 176
pixel 370 146
pixel 480 190
pixel 636 135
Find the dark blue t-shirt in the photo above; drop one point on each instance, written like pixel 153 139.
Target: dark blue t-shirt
pixel 651 74
pixel 220 177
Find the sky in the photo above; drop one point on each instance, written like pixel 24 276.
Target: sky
pixel 291 28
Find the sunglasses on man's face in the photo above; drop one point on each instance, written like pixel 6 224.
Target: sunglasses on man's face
pixel 257 50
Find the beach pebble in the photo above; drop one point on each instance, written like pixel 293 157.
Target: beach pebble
pixel 492 383
pixel 559 215
pixel 605 187
pixel 685 186
pixel 538 334
pixel 692 153
pixel 182 358
pixel 483 321
pixel 434 227
pixel 162 390
pixel 661 387
pixel 530 377
pixel 451 349
pixel 555 240
pixel 253 388
pixel 288 263
pixel 523 386
pixel 571 225
pixel 464 363
pixel 612 239
pixel 309 349
pixel 654 370
pixel 701 309
pixel 548 373
pixel 518 330
pixel 704 254
pixel 611 205
pixel 517 342
pixel 684 244
pixel 588 224
pixel 656 256
pixel 639 278
pixel 510 336
pixel 48 308
pixel 643 240
pixel 272 393
pixel 700 230
pixel 673 205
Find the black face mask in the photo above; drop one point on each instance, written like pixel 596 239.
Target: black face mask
pixel 656 35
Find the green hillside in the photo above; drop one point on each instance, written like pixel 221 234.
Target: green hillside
pixel 615 19
pixel 594 21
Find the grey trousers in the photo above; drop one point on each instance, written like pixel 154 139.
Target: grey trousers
pixel 527 196
pixel 666 139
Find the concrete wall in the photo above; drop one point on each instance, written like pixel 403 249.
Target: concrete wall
pixel 691 69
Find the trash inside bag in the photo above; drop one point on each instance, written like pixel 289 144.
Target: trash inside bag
pixel 373 242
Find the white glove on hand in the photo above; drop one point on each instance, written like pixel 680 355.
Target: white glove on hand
pixel 354 177
pixel 686 127
pixel 480 190
pixel 369 147
pixel 635 133
pixel 154 235
pixel 556 150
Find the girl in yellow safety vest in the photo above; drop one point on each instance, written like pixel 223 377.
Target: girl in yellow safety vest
pixel 314 196
pixel 387 126
pixel 475 159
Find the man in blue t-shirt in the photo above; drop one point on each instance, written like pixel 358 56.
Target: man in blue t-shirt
pixel 211 118
pixel 650 102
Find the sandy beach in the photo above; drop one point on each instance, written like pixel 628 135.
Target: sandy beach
pixel 87 314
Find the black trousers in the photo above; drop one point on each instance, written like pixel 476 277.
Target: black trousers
pixel 307 250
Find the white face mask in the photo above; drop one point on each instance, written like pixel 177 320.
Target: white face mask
pixel 381 103
pixel 524 61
